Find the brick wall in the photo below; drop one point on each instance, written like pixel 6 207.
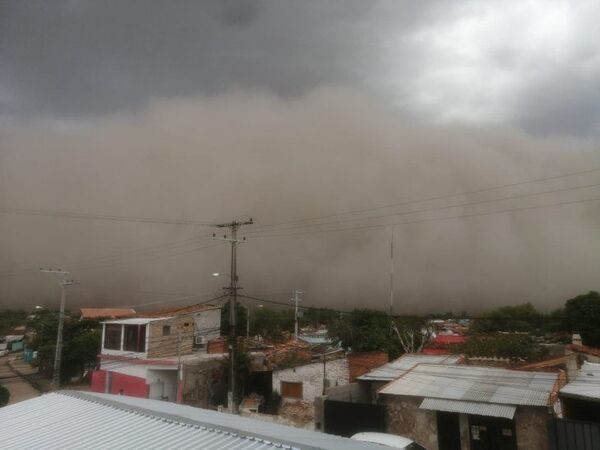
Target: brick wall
pixel 164 346
pixel 217 346
pixel 361 363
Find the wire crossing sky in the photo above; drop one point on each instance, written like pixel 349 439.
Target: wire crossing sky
pixel 126 131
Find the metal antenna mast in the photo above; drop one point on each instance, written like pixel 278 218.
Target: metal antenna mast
pixel 63 282
pixel 392 273
pixel 295 299
pixel 233 293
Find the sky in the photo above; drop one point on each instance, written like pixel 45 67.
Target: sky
pixel 282 111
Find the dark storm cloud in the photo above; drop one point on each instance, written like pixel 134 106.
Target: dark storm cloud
pixel 70 58
pixel 536 66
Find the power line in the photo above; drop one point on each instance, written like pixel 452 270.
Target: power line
pixel 137 258
pixel 91 216
pixel 427 199
pixel 435 219
pixel 438 208
pixel 165 246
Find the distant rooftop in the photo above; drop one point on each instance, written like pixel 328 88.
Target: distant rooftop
pixel 73 420
pixel 398 367
pixel 586 384
pixel 106 313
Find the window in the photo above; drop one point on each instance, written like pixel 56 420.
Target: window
pixel 166 330
pixel 135 338
pixel 291 389
pixel 112 336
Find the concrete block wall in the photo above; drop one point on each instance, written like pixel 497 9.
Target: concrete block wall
pixel 311 377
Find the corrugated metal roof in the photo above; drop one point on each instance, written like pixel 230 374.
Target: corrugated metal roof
pixel 586 384
pixel 398 367
pixel 77 420
pixel 477 384
pixel 476 408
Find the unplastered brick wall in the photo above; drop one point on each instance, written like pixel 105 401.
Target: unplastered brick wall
pixel 160 346
pixel 363 362
pixel 311 377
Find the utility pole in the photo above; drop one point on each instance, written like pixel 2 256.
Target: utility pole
pixel 295 300
pixel 233 292
pixel 247 321
pixel 61 320
pixel 392 273
pixel 179 371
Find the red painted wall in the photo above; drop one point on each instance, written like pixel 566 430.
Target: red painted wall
pixel 120 384
pixel 128 385
pixel 98 379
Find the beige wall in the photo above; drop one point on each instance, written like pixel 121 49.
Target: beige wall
pixel 165 346
pixel 405 418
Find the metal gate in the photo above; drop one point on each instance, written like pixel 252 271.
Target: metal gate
pixel 346 419
pixel 573 435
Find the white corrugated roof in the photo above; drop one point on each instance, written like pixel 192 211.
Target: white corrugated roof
pixel 476 384
pixel 475 408
pixel 77 420
pixel 586 384
pixel 396 368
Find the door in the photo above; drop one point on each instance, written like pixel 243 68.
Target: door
pixel 490 433
pixel 448 431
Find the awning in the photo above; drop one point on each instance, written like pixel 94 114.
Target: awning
pixel 475 408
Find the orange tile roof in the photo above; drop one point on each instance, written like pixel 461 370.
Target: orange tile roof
pixel 112 313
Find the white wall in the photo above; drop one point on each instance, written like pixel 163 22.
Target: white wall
pixel 169 380
pixel 311 377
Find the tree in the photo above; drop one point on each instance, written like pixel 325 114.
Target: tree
pixel 272 324
pixel 582 314
pixel 523 318
pixel 512 346
pixel 10 319
pixel 240 320
pixel 413 334
pixel 365 330
pixel 4 396
pixel 81 344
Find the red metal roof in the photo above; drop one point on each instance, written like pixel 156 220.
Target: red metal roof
pixel 444 339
